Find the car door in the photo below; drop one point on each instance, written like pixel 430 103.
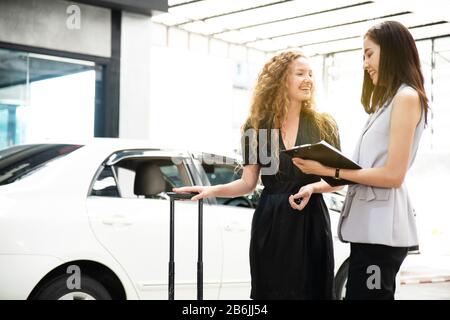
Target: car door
pixel 135 228
pixel 235 223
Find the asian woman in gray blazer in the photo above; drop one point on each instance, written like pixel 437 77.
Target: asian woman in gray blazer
pixel 377 217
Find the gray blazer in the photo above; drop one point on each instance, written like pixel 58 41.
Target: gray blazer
pixel 379 215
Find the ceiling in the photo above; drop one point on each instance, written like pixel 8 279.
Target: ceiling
pixel 316 27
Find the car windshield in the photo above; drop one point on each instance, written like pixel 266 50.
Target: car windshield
pixel 19 161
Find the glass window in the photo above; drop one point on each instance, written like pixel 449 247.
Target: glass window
pixel 221 174
pixel 45 97
pixel 172 175
pixel 20 161
pixel 125 181
pixel 141 177
pixel 106 184
pixel 226 173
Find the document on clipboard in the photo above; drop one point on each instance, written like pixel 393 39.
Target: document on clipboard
pixel 327 155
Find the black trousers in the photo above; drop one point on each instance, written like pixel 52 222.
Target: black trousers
pixel 372 271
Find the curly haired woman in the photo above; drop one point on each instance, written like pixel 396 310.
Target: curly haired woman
pixel 291 249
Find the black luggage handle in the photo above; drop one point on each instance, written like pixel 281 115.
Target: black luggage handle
pixel 185 196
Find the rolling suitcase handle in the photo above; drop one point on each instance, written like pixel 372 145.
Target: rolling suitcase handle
pixel 185 196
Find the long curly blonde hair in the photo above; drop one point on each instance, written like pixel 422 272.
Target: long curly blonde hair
pixel 270 100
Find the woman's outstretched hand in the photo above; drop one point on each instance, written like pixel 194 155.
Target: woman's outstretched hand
pixel 204 192
pixel 303 195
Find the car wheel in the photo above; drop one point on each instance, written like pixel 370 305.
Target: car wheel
pixel 57 289
pixel 340 281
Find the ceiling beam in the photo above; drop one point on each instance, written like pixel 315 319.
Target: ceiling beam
pixel 233 12
pixel 297 17
pixel 329 27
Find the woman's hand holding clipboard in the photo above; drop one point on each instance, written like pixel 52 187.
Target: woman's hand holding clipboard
pixel 320 157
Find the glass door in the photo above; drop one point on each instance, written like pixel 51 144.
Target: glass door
pixel 45 97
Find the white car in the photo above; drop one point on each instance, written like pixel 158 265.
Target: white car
pixel 91 221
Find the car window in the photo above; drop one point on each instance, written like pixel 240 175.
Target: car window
pixel 125 181
pixel 226 173
pixel 106 184
pixel 221 174
pixel 173 176
pixel 20 161
pixel 141 178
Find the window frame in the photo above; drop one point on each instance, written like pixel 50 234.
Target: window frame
pixel 124 154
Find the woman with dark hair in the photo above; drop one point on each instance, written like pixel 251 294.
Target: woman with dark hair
pixel 291 253
pixel 377 217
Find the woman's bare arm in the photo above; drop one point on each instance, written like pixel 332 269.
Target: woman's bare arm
pixel 405 116
pixel 245 185
pixel 323 187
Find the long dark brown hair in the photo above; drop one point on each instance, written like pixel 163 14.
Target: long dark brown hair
pixel 399 63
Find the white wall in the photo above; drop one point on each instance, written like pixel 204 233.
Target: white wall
pixel 191 100
pixel 198 100
pixel 43 24
pixel 177 88
pixel 135 72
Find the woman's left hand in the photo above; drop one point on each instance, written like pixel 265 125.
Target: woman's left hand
pixel 304 194
pixel 311 167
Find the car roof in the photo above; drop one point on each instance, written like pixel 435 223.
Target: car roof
pixel 106 143
pixel 115 144
pixel 111 145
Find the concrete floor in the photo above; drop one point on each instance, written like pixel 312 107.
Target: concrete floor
pixel 424 291
pixel 424 277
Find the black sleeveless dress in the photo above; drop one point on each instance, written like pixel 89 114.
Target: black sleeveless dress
pixel 291 251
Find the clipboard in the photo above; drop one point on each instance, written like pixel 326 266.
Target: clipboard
pixel 327 155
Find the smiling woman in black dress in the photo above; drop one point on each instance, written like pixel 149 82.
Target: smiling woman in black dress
pixel 291 251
